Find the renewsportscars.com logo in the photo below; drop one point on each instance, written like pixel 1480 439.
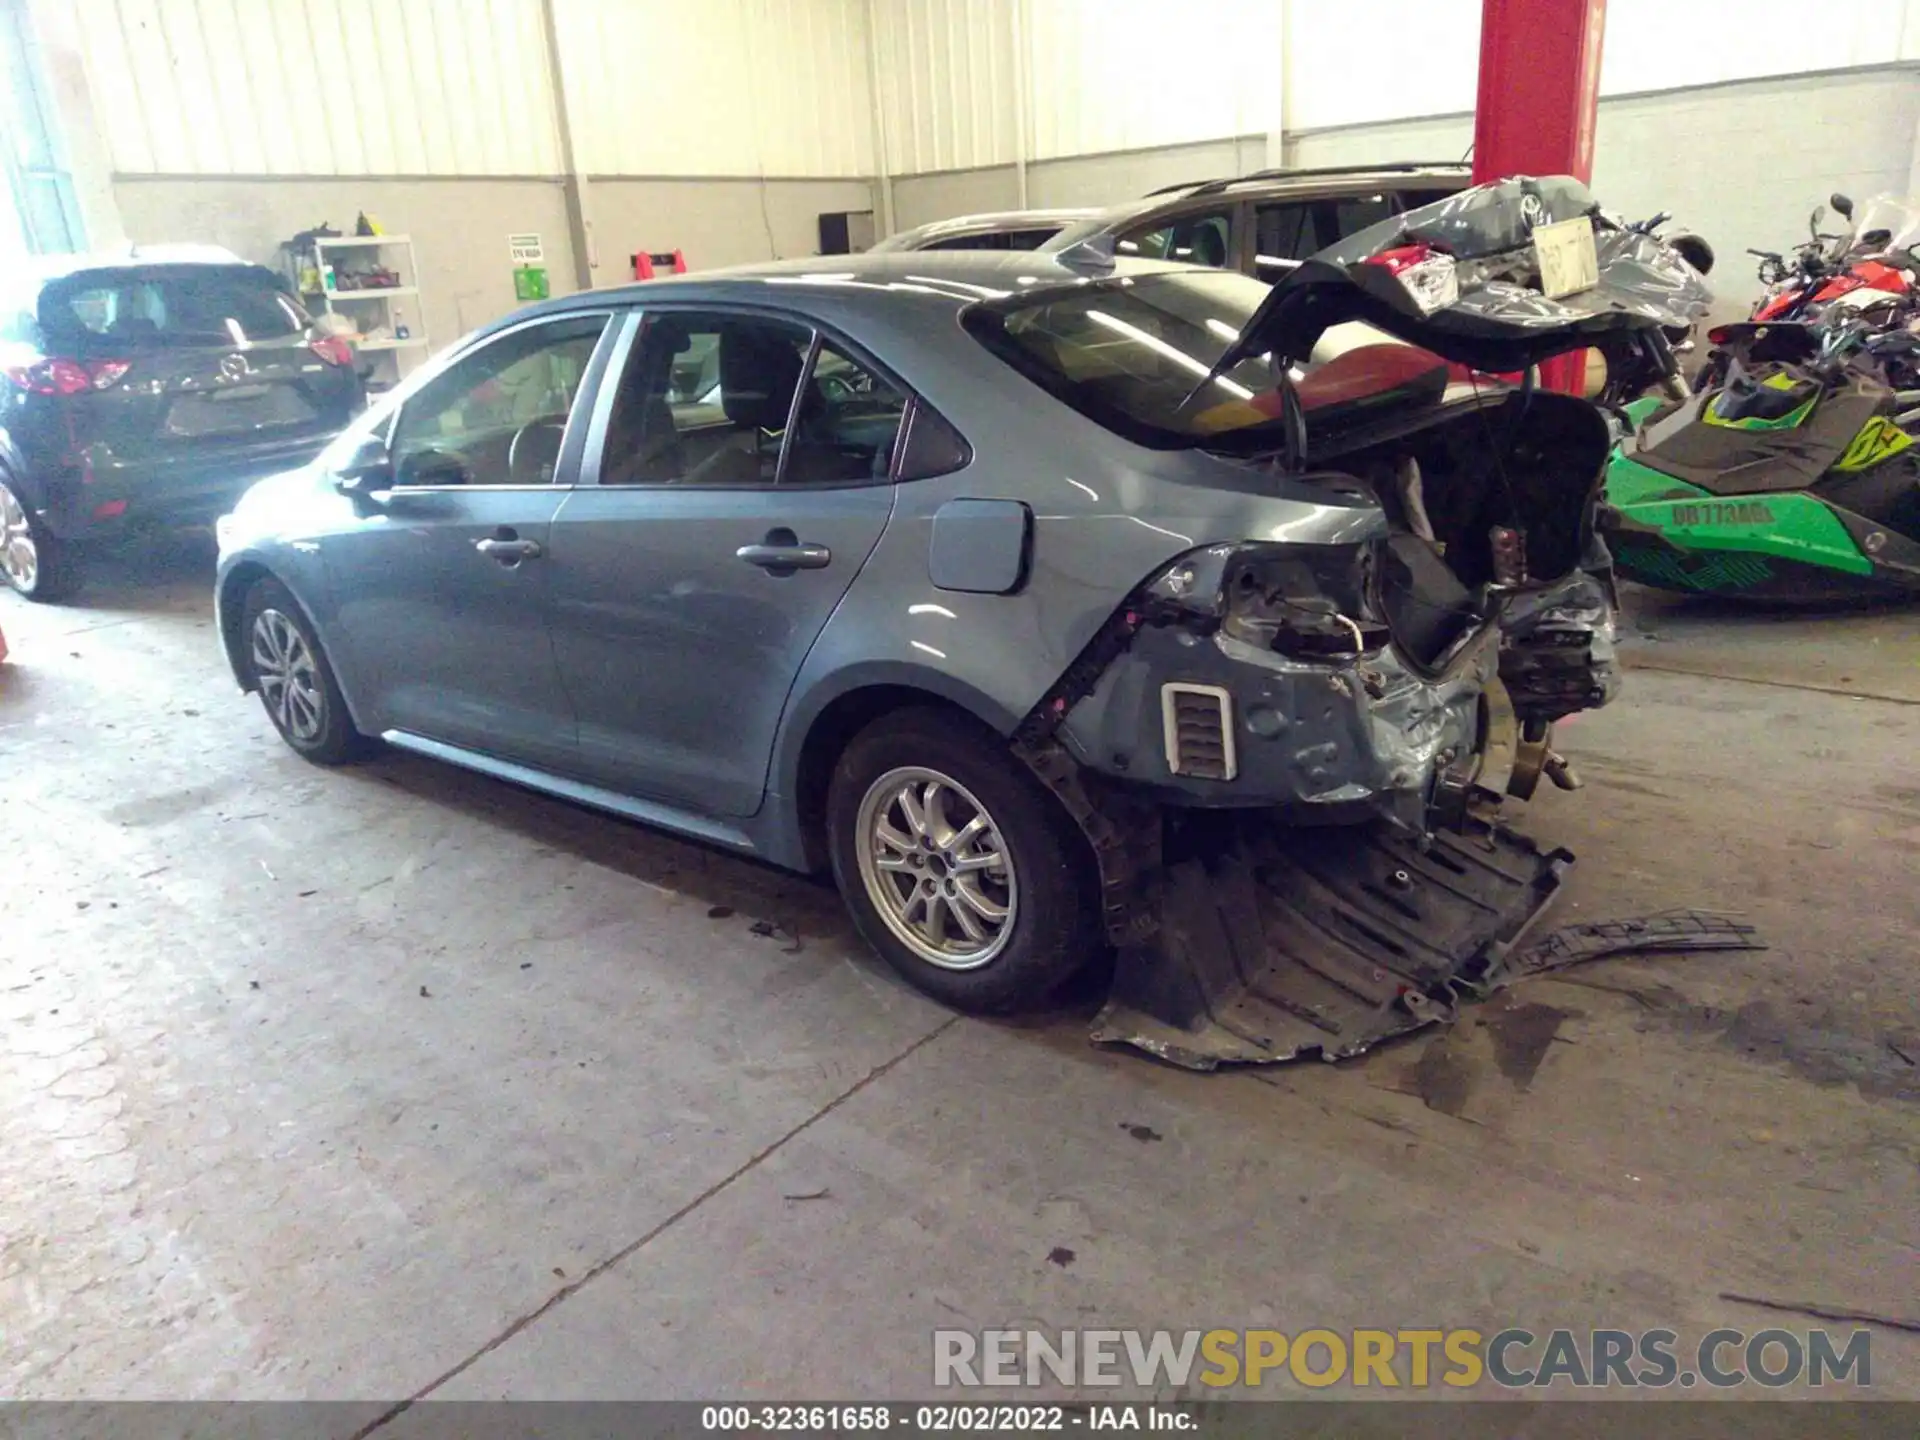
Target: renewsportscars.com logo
pixel 1514 1359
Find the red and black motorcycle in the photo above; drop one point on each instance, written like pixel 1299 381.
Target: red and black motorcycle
pixel 1874 260
pixel 1868 276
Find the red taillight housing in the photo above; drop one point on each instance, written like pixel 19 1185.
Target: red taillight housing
pixel 66 377
pixel 1718 335
pixel 51 377
pixel 1402 257
pixel 1428 276
pixel 333 350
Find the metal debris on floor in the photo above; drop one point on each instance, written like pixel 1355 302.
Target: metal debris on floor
pixel 1274 944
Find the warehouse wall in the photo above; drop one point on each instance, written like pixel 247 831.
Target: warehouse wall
pixel 722 129
pixel 459 228
pixel 716 222
pixel 724 87
pixel 321 87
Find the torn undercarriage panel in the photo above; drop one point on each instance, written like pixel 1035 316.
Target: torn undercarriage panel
pixel 1278 942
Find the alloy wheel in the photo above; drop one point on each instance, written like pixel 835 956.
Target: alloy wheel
pixel 289 677
pixel 936 868
pixel 19 556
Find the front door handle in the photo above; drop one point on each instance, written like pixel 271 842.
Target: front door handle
pixel 508 550
pixel 782 554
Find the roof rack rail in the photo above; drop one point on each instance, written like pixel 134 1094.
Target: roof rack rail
pixel 1389 167
pixel 1183 185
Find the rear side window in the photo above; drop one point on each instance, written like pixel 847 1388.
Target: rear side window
pixel 1284 235
pixel 158 308
pixel 1353 213
pixel 724 400
pixel 998 240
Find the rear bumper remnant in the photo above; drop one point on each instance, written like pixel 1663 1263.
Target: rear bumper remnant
pixel 1276 943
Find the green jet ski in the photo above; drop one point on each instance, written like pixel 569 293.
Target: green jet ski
pixel 1793 480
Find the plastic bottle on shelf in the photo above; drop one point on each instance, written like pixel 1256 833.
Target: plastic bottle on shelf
pixel 400 330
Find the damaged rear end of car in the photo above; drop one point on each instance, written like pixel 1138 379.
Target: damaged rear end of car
pixel 1290 750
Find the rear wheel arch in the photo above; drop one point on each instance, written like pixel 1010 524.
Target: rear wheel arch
pixel 834 724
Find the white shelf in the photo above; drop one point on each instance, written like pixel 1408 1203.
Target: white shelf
pixel 387 360
pixel 380 292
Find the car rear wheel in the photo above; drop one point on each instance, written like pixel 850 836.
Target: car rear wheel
pixel 39 565
pixel 959 868
pixel 294 680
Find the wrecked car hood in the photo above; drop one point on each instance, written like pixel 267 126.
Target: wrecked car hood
pixel 1483 303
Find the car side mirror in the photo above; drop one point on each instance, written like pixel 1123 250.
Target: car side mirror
pixel 1842 206
pixel 368 469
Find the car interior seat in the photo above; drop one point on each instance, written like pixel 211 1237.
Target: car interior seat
pixel 759 372
pixel 1209 247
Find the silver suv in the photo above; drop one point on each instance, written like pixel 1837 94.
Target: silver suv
pixel 1261 224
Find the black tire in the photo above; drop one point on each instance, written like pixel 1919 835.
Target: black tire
pixel 34 562
pixel 311 715
pixel 1054 925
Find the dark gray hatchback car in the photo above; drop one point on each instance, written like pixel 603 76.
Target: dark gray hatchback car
pixel 927 568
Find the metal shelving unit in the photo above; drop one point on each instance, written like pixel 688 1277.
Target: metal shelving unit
pixel 372 310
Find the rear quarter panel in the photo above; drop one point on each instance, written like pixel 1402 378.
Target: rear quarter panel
pixel 1107 515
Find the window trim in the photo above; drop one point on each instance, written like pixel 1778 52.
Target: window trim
pixel 571 439
pixel 822 335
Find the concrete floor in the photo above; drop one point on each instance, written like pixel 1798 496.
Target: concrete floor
pixel 396 1081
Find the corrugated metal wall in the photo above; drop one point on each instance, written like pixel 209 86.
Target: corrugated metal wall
pixel 1110 76
pixel 461 87
pixel 1100 75
pixel 321 87
pixel 946 71
pixel 722 87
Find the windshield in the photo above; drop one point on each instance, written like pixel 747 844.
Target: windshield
pixel 1885 222
pixel 160 306
pixel 1129 352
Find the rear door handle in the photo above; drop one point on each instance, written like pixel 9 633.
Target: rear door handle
pixel 508 552
pixel 779 559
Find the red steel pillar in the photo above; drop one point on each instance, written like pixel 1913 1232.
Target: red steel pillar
pixel 1539 89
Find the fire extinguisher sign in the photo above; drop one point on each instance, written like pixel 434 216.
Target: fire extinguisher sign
pixel 529 267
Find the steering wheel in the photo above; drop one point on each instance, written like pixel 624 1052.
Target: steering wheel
pixel 534 451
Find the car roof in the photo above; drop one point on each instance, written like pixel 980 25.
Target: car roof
pixel 992 221
pixel 1270 184
pixel 956 277
pixel 1402 174
pixel 43 268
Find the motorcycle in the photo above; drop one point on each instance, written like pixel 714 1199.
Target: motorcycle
pixel 1792 479
pixel 1869 273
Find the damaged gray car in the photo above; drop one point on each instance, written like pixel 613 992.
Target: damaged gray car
pixel 1058 605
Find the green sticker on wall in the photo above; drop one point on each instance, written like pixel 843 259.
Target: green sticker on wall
pixel 530 282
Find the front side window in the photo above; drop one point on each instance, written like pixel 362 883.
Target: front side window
pixel 1192 239
pixel 497 416
pixel 710 400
